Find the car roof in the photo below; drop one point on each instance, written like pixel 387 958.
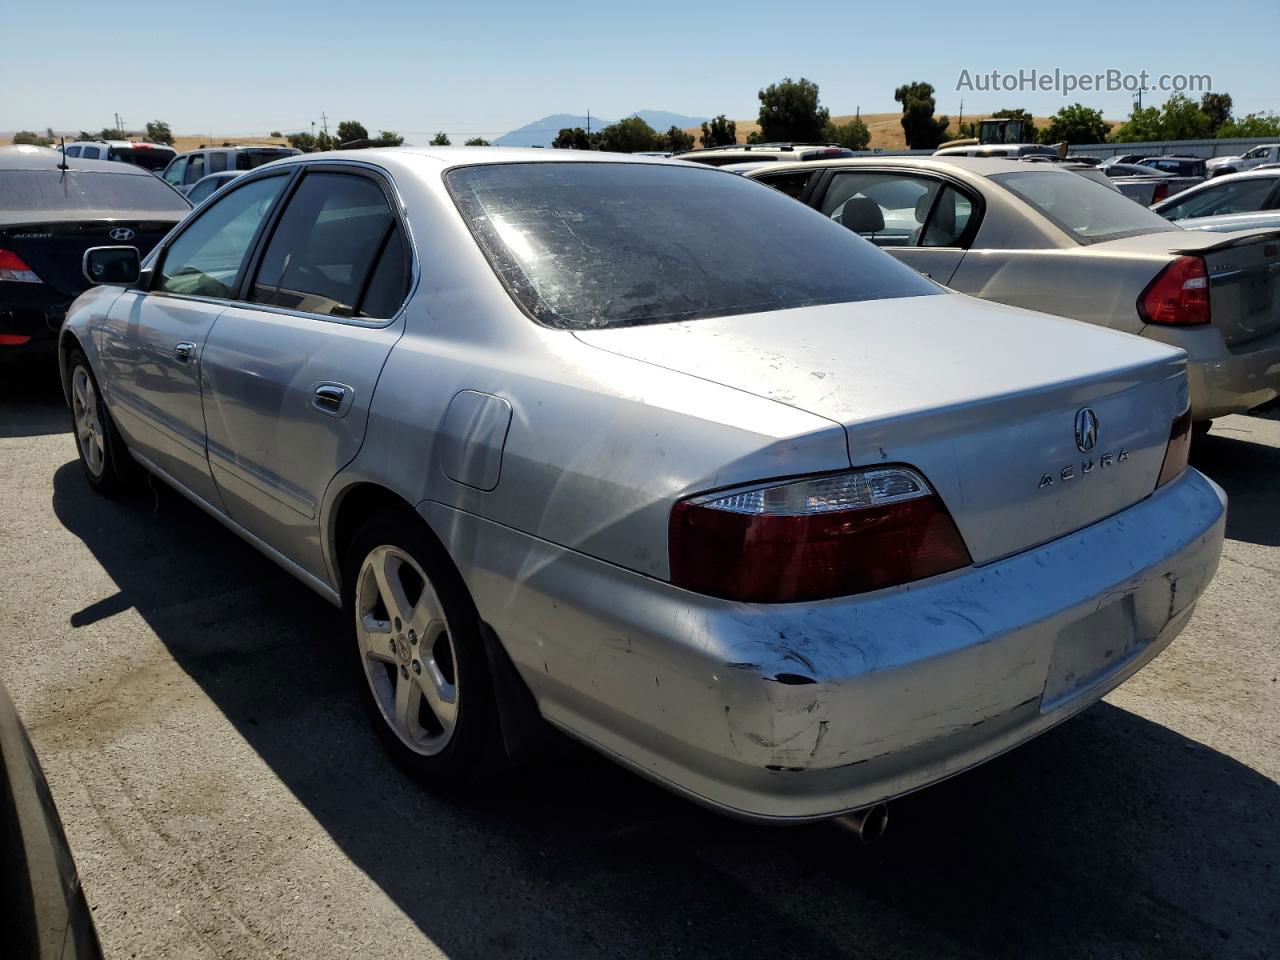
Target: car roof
pixel 42 158
pixel 240 146
pixel 444 157
pixel 980 166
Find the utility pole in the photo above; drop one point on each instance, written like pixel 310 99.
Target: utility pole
pixel 588 123
pixel 960 122
pixel 325 124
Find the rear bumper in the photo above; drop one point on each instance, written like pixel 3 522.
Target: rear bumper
pixel 804 711
pixel 1223 379
pixel 33 311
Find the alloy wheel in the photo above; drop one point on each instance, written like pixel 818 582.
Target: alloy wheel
pixel 89 435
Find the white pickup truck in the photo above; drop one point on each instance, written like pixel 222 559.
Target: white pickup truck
pixel 1266 153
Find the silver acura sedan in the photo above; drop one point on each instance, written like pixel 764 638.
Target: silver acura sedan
pixel 661 456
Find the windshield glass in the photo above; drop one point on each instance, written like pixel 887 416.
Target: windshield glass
pixel 1088 211
pixel 149 158
pixel 86 190
pixel 588 245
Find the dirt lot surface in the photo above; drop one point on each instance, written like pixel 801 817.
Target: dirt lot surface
pixel 224 797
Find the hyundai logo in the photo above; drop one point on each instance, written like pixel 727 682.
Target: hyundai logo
pixel 121 233
pixel 1086 429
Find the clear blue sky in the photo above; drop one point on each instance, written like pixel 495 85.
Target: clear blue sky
pixel 476 68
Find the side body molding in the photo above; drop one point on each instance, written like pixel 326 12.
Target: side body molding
pixel 472 438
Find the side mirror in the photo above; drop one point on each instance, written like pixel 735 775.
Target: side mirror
pixel 112 265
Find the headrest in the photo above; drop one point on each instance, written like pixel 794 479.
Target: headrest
pixel 862 215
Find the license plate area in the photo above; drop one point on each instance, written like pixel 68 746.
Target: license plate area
pixel 1090 649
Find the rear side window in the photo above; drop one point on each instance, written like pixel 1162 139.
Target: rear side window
pixel 91 153
pixel 73 151
pixel 44 190
pixel 1239 196
pixel 217 162
pixel 948 220
pixel 256 157
pixel 591 245
pixel 195 168
pixel 324 246
pixel 206 258
pixel 889 209
pixel 145 156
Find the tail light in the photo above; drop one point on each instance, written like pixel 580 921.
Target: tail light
pixel 1178 296
pixel 815 538
pixel 14 269
pixel 13 339
pixel 1178 450
pixel 1161 192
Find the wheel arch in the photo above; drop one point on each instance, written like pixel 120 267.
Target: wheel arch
pixel 68 341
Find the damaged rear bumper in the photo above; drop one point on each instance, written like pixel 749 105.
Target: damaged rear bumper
pixel 803 711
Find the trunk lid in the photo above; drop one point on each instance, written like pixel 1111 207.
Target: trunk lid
pixel 1244 274
pixel 982 398
pixel 55 249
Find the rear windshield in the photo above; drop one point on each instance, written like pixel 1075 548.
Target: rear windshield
pixel 249 159
pixel 1088 211
pixel 149 158
pixel 590 245
pixel 73 189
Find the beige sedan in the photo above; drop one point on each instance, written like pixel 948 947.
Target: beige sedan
pixel 1034 236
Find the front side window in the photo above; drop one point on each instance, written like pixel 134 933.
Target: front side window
pixel 1086 211
pixel 886 208
pixel 596 245
pixel 324 247
pixel 73 151
pixel 792 184
pixel 1240 196
pixel 206 258
pixel 173 172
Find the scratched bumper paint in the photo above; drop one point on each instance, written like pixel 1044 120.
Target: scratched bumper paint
pixel 802 711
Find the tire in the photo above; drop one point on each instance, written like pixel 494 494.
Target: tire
pixel 414 635
pixel 103 454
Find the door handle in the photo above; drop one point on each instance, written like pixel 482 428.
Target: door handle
pixel 184 351
pixel 331 398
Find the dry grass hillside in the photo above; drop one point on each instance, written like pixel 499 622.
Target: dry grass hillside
pixel 885 129
pixel 195 141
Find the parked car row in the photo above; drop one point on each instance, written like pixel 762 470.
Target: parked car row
pixel 1229 203
pixel 714 480
pixel 149 156
pixel 188 169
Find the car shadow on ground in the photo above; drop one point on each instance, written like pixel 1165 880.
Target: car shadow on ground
pixel 1250 473
pixel 31 401
pixel 1110 836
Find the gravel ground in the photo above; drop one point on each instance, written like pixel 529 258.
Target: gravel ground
pixel 224 797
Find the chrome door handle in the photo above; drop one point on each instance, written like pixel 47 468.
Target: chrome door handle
pixel 184 351
pixel 331 398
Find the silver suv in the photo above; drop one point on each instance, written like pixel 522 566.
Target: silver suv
pixel 149 156
pixel 185 170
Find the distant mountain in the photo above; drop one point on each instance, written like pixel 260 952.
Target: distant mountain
pixel 540 133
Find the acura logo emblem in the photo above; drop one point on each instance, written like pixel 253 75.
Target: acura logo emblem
pixel 1086 430
pixel 121 234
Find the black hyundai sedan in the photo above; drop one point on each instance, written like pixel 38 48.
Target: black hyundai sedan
pixel 51 211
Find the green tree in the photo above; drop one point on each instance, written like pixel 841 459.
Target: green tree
pixel 755 137
pixel 1217 107
pixel 110 133
pixel 1143 124
pixel 349 130
pixel 276 134
pixel 1251 125
pixel 34 139
pixel 923 131
pixel 478 142
pixel 441 139
pixel 1076 124
pixel 719 132
pixel 677 141
pixel 631 135
pixel 388 138
pixel 571 138
pixel 302 141
pixel 1179 119
pixel 853 134
pixel 790 111
pixel 158 132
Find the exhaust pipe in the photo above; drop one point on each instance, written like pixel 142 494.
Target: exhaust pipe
pixel 868 824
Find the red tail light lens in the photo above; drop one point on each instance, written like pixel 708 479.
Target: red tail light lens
pixel 1179 449
pixel 1161 192
pixel 13 339
pixel 1178 296
pixel 813 539
pixel 14 269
